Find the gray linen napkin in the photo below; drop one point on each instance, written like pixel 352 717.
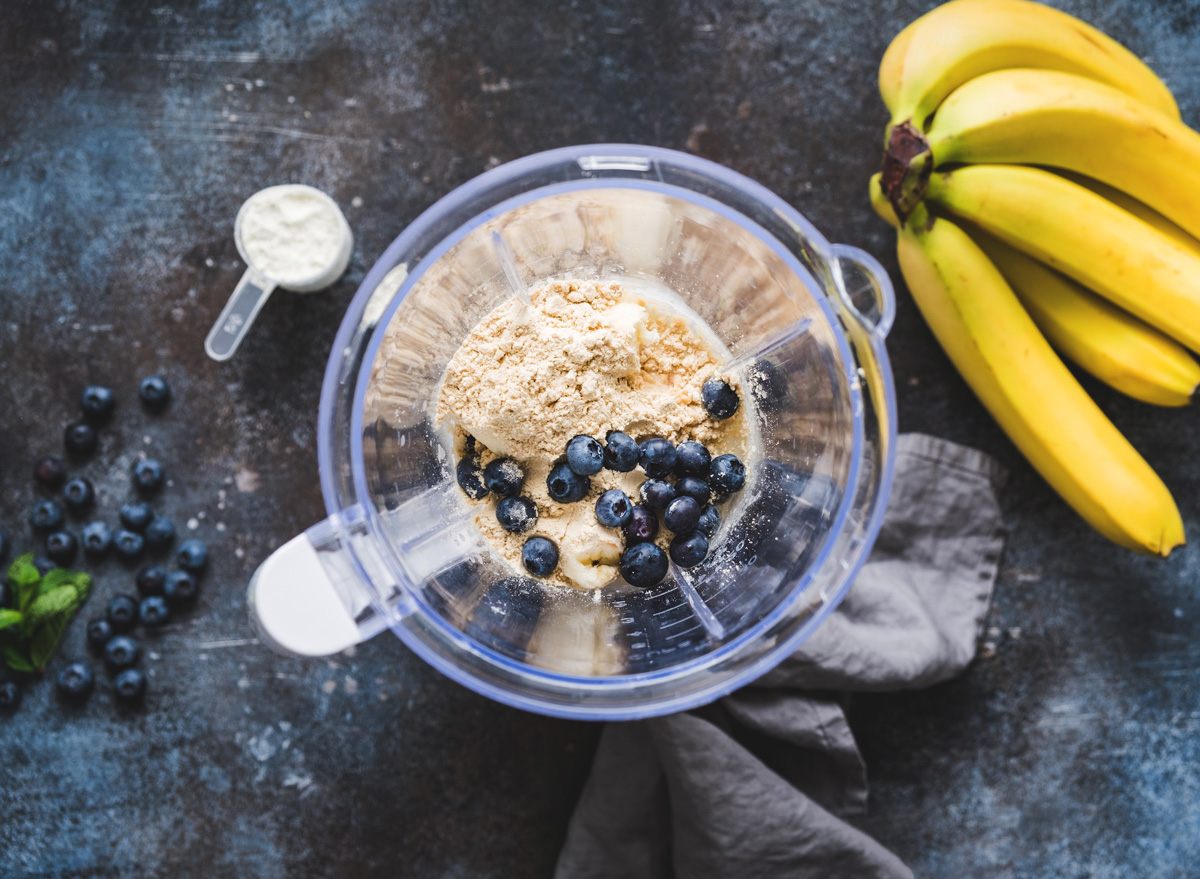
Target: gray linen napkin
pixel 759 784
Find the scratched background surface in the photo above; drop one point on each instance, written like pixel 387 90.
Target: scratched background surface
pixel 129 134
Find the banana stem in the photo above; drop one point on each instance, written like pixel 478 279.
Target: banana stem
pixel 907 164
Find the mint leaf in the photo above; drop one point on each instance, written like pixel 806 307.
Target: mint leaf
pixel 45 640
pixel 10 618
pixel 23 577
pixel 50 604
pixel 15 659
pixel 30 635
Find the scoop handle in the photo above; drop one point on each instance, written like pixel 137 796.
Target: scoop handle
pixel 247 300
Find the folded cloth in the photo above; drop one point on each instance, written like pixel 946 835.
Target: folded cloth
pixel 759 784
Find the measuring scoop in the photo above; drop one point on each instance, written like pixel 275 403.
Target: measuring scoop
pixel 301 214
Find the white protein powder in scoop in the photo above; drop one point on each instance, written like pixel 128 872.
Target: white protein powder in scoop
pixel 290 233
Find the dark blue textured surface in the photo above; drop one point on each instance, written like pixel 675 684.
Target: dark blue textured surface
pixel 130 132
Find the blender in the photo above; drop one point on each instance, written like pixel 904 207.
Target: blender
pixel 804 322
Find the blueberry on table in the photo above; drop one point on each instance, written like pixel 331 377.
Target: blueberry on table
pixel 136 517
pixel 128 544
pixel 99 633
pixel 192 555
pixel 129 686
pixel 97 539
pixel 61 547
pixel 726 475
pixel 122 612
pixel 504 476
pixel 154 392
pixel 516 514
pixel 10 697
pixel 657 494
pixel 682 515
pixel 121 652
pixel 565 485
pixel 80 438
pixel 97 403
pixel 470 478
pixel 147 475
pixel 642 525
pixel 46 516
pixel 620 451
pixel 585 455
pixel 642 565
pixel 181 590
pixel 657 457
pixel 151 580
pixel 75 682
pixel 154 611
pixel 689 550
pixel 719 399
pixel 50 472
pixel 43 565
pixel 694 487
pixel 613 508
pixel 692 459
pixel 540 556
pixel 78 494
pixel 159 533
pixel 710 521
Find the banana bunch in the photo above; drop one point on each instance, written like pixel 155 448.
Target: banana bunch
pixel 1047 201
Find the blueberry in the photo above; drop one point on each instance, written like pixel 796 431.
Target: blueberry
pixel 122 612
pixel 696 489
pixel 129 686
pixel 768 385
pixel 99 633
pixel 692 459
pixel 154 612
pixel 147 475
pixel 726 475
pixel 657 457
pixel 192 555
pixel 154 391
pixel 150 580
pixel 10 697
pixel 585 455
pixel 98 403
pixel 61 547
pixel 79 494
pixel 181 589
pixel 620 451
pixel 643 565
pixel 689 550
pixel 470 478
pixel 720 401
pixel 159 533
pixel 97 539
pixel 565 485
pixel 516 514
pixel 50 472
pixel 80 438
pixel 121 652
pixel 136 517
pixel 43 565
pixel 3 544
pixel 46 516
pixel 75 682
pixel 128 544
pixel 642 525
pixel 656 494
pixel 710 521
pixel 682 515
pixel 504 476
pixel 613 508
pixel 540 556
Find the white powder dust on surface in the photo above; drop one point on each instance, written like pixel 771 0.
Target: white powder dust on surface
pixel 585 357
pixel 290 233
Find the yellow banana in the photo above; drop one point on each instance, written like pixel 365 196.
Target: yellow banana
pixel 1111 344
pixel 1139 209
pixel 1072 229
pixel 1043 117
pixel 963 39
pixel 1020 380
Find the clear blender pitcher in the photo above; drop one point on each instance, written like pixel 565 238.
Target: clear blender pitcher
pixel 803 321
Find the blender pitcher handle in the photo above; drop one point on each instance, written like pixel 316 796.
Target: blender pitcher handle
pixel 865 289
